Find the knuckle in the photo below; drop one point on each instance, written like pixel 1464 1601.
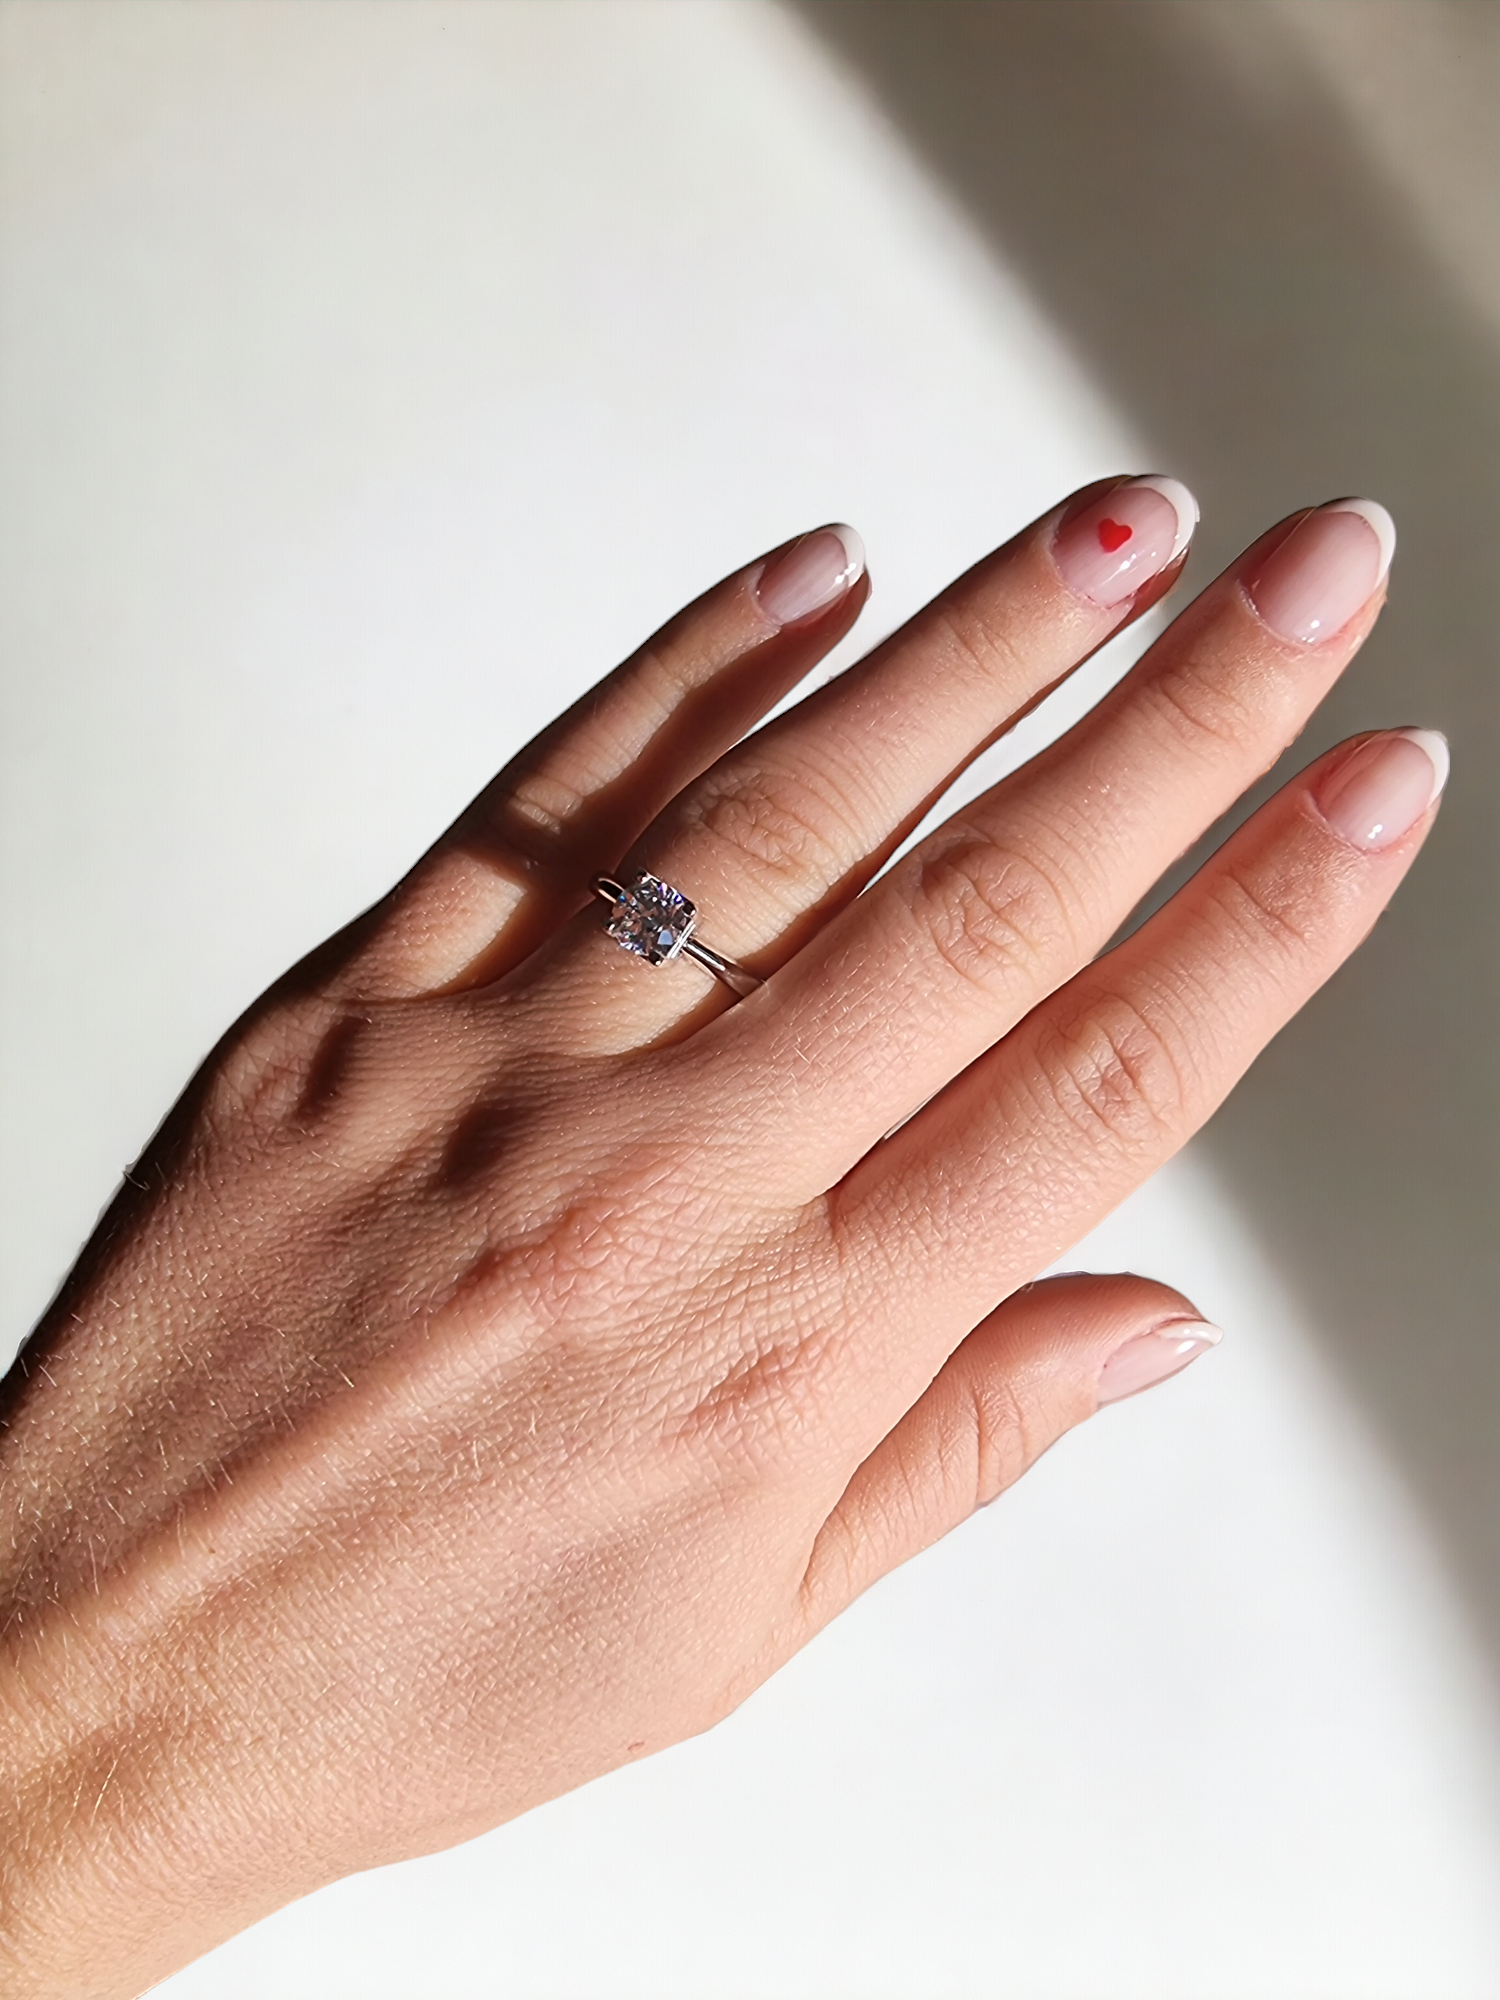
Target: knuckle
pixel 761 1399
pixel 671 667
pixel 538 811
pixel 613 1247
pixel 1005 1438
pixel 989 914
pixel 1113 1074
pixel 789 828
pixel 1267 911
pixel 759 1389
pixel 981 645
pixel 608 1240
pixel 278 1063
pixel 1203 713
pixel 351 1088
pixel 543 804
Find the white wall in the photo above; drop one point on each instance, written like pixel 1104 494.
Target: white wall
pixel 371 377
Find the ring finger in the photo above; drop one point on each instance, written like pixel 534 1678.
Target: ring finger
pixel 795 820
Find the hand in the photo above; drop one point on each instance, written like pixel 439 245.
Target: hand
pixel 509 1352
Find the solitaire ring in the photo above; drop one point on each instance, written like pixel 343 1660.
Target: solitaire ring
pixel 656 922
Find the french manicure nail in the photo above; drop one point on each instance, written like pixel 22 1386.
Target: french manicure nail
pixel 1376 794
pixel 1329 567
pixel 1108 549
pixel 1151 1357
pixel 809 575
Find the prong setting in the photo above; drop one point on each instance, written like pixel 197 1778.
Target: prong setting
pixel 651 919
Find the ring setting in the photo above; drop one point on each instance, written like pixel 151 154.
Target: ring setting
pixel 652 920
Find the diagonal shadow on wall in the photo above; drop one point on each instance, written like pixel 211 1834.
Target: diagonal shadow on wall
pixel 1232 270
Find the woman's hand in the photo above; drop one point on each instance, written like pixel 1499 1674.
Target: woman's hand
pixel 509 1352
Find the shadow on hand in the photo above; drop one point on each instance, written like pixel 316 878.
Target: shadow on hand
pixel 1235 272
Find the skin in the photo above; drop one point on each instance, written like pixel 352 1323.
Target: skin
pixel 507 1354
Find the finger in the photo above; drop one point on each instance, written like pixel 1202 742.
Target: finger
pixel 520 857
pixel 796 819
pixel 1041 1363
pixel 1108 1077
pixel 1000 905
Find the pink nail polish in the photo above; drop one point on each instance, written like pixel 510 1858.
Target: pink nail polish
pixel 1329 567
pixel 808 576
pixel 1112 546
pixel 1151 1357
pixel 1376 795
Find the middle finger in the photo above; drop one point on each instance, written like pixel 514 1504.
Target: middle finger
pixel 1003 903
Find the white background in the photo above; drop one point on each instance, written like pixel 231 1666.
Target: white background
pixel 373 376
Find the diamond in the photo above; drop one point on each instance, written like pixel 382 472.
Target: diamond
pixel 651 919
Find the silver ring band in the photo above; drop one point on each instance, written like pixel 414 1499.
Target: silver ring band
pixel 652 920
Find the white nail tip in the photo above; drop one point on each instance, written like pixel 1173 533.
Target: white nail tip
pixel 1191 1332
pixel 1435 744
pixel 1379 519
pixel 1181 500
pixel 854 550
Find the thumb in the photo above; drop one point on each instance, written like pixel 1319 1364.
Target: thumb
pixel 1047 1358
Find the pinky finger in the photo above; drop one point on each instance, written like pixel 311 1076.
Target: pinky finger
pixel 519 859
pixel 1042 1362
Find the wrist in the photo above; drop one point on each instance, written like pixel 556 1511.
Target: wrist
pixel 128 1842
pixel 83 1908
pixel 119 1861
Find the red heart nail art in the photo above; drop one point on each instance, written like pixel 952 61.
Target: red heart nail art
pixel 1113 535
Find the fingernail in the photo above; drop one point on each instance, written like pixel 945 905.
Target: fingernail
pixel 1151 1357
pixel 1329 567
pixel 1112 546
pixel 1379 791
pixel 809 575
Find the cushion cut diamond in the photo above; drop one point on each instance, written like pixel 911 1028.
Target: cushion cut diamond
pixel 651 919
